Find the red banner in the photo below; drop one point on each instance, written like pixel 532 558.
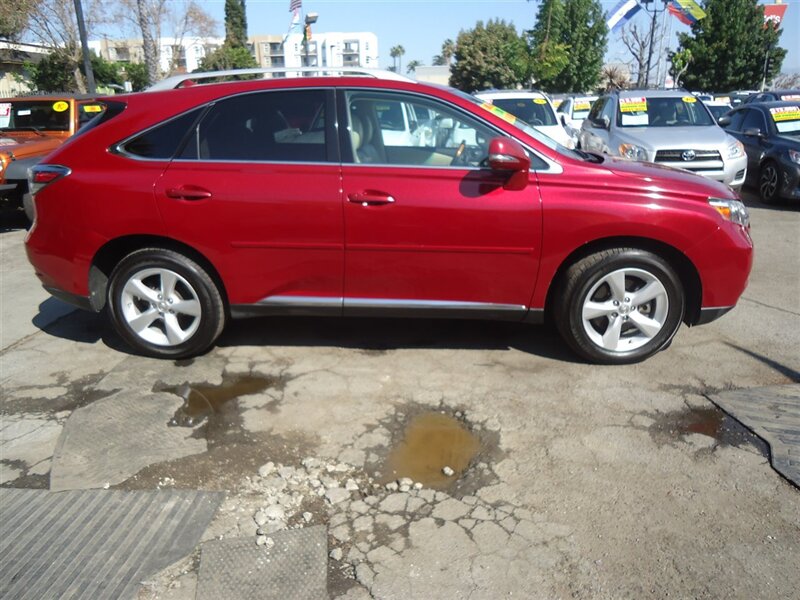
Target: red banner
pixel 773 14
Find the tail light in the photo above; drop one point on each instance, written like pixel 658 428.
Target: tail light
pixel 43 175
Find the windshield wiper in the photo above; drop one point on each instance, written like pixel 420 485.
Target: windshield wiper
pixel 28 128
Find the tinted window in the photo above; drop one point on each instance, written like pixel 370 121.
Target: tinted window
pixel 754 120
pixel 35 115
pixel 286 126
pixel 596 108
pixel 534 111
pixel 736 120
pixel 163 141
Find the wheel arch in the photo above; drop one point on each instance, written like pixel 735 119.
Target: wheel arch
pixel 112 252
pixel 687 272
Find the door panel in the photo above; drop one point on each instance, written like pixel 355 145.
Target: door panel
pixel 257 189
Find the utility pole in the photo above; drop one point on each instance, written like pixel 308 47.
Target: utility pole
pixel 87 63
pixel 653 25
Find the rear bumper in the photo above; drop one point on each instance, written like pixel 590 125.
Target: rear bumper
pixel 707 315
pixel 81 302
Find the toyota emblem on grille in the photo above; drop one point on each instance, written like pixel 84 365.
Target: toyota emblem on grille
pixel 688 155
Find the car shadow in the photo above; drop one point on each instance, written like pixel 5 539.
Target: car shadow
pixel 751 200
pixel 13 219
pixel 383 334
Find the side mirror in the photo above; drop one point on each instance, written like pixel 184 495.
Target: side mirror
pixel 563 119
pixel 602 122
pixel 752 132
pixel 506 154
pixel 724 121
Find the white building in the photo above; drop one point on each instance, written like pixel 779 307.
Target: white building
pixel 359 49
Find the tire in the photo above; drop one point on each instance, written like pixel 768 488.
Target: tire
pixel 770 182
pixel 616 329
pixel 164 304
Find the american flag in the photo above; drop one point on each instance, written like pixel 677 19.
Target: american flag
pixel 295 5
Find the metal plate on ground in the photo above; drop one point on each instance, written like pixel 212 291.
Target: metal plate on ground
pixel 95 544
pixel 773 413
pixel 116 437
pixel 294 568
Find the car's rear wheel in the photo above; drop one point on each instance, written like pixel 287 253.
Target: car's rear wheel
pixel 164 304
pixel 619 306
pixel 769 182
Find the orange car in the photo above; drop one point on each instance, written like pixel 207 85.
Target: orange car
pixel 30 128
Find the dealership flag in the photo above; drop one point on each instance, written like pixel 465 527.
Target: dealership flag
pixel 622 13
pixel 676 11
pixel 690 11
pixel 295 5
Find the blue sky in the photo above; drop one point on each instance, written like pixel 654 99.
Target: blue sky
pixel 422 25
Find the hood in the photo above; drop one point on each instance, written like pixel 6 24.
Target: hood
pixel 660 178
pixel 23 144
pixel 708 137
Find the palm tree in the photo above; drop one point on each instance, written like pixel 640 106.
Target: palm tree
pixel 412 65
pixel 397 53
pixel 448 50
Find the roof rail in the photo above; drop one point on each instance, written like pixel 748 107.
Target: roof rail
pixel 175 81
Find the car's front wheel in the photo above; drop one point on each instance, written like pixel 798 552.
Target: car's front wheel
pixel 619 306
pixel 769 182
pixel 164 304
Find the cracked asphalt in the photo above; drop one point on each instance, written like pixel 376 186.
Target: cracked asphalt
pixel 589 482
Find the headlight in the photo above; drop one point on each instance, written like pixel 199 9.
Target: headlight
pixel 731 210
pixel 632 152
pixel 794 156
pixel 735 149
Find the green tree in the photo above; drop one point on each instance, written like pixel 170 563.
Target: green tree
pixel 54 73
pixel 235 23
pixel 14 18
pixel 490 56
pixel 137 74
pixel 729 47
pixel 233 54
pixel 567 45
pixel 228 57
pixel 412 65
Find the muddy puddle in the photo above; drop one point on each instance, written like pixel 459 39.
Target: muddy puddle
pixel 711 422
pixel 430 442
pixel 202 401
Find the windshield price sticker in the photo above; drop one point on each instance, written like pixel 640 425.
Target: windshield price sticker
pixel 583 105
pixel 689 99
pixel 5 109
pixel 540 101
pixel 630 105
pixel 785 113
pixel 92 108
pixel 791 97
pixel 496 110
pixel 60 106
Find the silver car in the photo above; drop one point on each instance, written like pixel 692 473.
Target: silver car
pixel 670 128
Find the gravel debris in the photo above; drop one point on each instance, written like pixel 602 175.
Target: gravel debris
pixel 448 471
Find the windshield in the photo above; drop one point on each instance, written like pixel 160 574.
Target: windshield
pixel 684 111
pixel 534 111
pixel 35 115
pixel 787 119
pixel 581 108
pixel 717 110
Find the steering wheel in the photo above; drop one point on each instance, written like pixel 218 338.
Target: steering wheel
pixel 460 155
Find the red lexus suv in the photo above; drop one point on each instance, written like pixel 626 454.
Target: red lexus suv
pixel 178 209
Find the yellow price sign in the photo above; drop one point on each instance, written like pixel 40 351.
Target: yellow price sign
pixel 579 106
pixel 60 106
pixel 92 108
pixel 689 99
pixel 630 105
pixel 785 113
pixel 540 101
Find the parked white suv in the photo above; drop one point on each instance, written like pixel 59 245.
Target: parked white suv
pixel 668 127
pixel 532 107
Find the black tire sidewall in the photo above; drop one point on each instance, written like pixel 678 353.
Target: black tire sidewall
pixel 204 287
pixel 627 259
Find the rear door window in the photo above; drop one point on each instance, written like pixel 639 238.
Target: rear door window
pixel 162 141
pixel 282 126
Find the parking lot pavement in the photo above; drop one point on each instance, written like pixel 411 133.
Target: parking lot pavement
pixel 577 480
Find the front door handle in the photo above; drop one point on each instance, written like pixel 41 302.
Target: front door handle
pixel 370 198
pixel 188 192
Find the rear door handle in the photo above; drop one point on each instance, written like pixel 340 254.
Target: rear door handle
pixel 188 192
pixel 370 198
